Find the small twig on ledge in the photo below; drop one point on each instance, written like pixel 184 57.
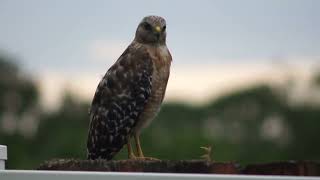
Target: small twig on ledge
pixel 208 151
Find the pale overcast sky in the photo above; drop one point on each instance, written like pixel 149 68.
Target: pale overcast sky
pixel 85 37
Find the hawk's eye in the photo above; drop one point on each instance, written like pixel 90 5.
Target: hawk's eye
pixel 147 26
pixel 164 28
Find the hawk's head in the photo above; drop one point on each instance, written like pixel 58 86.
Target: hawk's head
pixel 151 30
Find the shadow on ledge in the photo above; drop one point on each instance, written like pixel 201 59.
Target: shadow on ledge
pixel 296 168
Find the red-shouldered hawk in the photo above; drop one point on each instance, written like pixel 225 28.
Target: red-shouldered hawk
pixel 131 92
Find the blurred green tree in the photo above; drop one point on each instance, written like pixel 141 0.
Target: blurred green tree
pixel 18 111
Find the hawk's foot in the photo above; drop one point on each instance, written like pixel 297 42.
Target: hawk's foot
pixel 132 156
pixel 147 159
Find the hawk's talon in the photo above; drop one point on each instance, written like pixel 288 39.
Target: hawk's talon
pixel 132 156
pixel 147 158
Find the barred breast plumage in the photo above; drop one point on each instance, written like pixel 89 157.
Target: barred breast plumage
pixel 161 65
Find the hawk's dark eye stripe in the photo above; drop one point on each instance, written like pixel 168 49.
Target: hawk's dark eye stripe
pixel 164 28
pixel 147 26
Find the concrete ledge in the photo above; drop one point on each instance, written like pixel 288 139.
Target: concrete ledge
pixel 292 168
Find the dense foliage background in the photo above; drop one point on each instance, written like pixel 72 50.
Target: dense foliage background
pixel 255 124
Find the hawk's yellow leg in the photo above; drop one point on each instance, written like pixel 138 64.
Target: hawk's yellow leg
pixel 138 146
pixel 139 149
pixel 130 151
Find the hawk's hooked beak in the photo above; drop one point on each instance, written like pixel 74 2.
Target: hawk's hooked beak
pixel 158 29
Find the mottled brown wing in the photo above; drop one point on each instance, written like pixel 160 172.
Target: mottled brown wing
pixel 119 100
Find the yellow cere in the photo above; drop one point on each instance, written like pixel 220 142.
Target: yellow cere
pixel 158 29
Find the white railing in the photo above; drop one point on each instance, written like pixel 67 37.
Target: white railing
pixel 81 175
pixel 3 156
